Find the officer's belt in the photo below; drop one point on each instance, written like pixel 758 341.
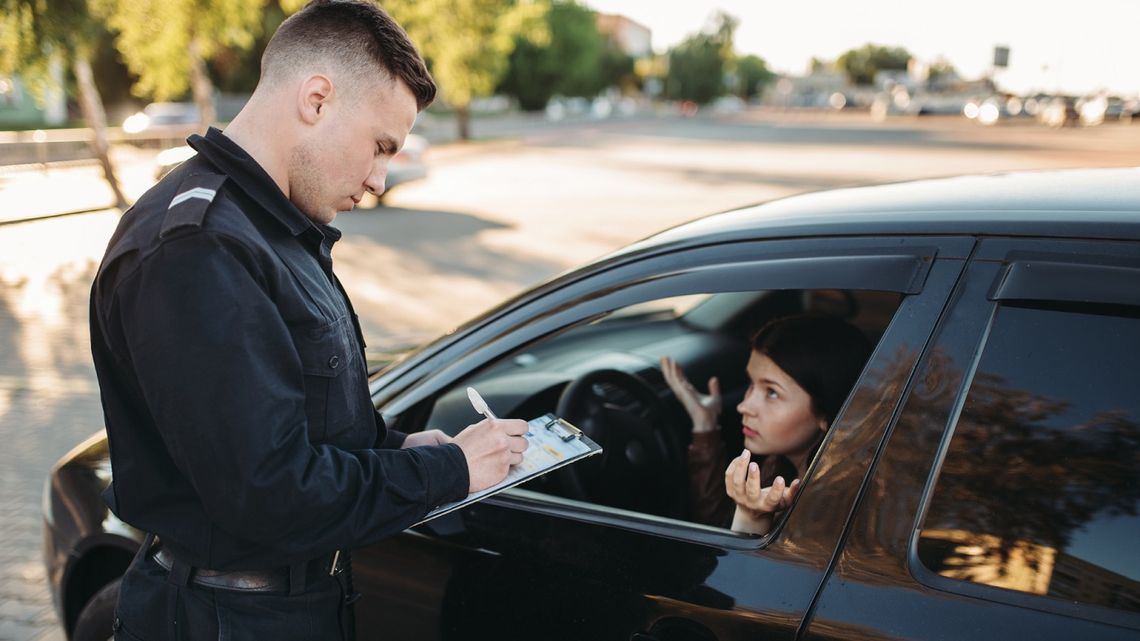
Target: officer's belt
pixel 280 579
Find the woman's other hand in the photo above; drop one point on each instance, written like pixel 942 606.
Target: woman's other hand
pixel 703 409
pixel 742 483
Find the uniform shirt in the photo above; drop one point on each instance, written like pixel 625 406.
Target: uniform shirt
pixel 233 381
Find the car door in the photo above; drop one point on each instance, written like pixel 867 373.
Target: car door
pixel 1004 504
pixel 527 565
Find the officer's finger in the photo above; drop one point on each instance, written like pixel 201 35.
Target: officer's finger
pixel 516 458
pixel 511 426
pixel 518 444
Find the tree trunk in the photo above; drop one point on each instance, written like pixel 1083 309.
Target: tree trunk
pixel 201 86
pixel 463 119
pixel 91 104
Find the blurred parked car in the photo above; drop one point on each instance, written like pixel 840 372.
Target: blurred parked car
pixel 1061 111
pixel 1097 110
pixel 406 166
pixel 162 114
pixel 982 481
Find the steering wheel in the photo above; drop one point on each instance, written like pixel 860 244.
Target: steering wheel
pixel 642 464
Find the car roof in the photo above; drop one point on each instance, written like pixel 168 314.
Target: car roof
pixel 1085 203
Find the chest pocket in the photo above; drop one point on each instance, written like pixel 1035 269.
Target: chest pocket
pixel 337 405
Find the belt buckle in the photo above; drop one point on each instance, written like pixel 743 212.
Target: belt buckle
pixel 335 568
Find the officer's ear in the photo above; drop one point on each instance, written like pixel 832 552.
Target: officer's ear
pixel 313 98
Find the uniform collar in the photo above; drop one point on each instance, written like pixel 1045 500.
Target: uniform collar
pixel 240 167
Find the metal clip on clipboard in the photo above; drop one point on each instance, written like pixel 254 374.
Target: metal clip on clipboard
pixel 563 430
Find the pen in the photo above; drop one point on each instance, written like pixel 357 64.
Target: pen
pixel 479 404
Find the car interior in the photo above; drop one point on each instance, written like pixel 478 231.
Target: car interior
pixel 604 377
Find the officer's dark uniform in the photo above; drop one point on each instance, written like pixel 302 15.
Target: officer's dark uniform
pixel 241 429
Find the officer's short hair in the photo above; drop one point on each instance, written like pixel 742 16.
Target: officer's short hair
pixel 357 35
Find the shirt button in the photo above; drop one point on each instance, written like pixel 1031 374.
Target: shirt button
pixel 334 362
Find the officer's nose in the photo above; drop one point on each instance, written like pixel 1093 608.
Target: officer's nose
pixel 375 181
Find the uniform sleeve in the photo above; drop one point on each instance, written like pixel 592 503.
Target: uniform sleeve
pixel 223 381
pixel 388 438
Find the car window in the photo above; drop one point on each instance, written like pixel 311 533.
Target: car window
pixel 1040 487
pixel 623 401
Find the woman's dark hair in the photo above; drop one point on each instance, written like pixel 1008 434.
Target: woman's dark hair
pixel 824 354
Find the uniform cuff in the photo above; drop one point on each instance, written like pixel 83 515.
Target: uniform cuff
pixel 448 476
pixel 393 440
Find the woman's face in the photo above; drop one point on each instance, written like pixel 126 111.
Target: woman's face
pixel 776 412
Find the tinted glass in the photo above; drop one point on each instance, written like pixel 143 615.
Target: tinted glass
pixel 1040 487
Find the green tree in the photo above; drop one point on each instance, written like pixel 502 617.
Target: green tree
pixel 578 61
pixel 617 68
pixel 863 64
pixel 818 65
pixel 752 74
pixel 33 33
pixel 698 64
pixel 467 43
pixel 166 43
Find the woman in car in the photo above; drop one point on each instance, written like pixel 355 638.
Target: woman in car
pixel 800 372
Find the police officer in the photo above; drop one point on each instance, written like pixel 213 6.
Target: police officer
pixel 231 364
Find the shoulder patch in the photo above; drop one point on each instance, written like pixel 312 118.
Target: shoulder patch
pixel 189 205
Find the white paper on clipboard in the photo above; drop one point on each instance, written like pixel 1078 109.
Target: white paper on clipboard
pixel 553 444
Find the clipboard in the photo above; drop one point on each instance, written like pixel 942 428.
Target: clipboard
pixel 554 443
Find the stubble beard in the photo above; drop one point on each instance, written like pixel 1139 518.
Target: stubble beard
pixel 305 185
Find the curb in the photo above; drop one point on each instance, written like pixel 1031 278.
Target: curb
pixel 32 219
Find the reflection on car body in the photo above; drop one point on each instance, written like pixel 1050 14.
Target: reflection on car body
pixel 980 482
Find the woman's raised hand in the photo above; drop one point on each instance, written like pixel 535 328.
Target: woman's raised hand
pixel 703 409
pixel 742 483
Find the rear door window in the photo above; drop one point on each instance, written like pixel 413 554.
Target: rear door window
pixel 1040 487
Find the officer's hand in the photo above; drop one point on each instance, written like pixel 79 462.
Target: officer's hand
pixel 491 447
pixel 427 437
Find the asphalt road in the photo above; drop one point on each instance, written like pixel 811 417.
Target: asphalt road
pixel 492 218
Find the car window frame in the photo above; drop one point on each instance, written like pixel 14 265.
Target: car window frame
pixel 406 377
pixel 701 266
pixel 1027 274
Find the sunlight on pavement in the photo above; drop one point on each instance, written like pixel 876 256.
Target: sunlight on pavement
pixel 46 269
pixel 32 191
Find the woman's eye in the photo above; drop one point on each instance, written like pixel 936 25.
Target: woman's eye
pixel 771 393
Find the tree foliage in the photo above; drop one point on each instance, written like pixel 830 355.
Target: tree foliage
pixel 467 43
pixel 578 61
pixel 697 65
pixel 160 39
pixel 863 64
pixel 33 34
pixel 752 74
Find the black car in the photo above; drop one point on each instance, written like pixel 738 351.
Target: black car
pixel 981 482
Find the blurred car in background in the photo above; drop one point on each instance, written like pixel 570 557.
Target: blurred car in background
pixel 407 165
pixel 1061 111
pixel 162 114
pixel 1101 108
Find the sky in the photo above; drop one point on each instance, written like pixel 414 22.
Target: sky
pixel 1073 47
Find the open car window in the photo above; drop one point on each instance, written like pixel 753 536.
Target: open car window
pixel 603 374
